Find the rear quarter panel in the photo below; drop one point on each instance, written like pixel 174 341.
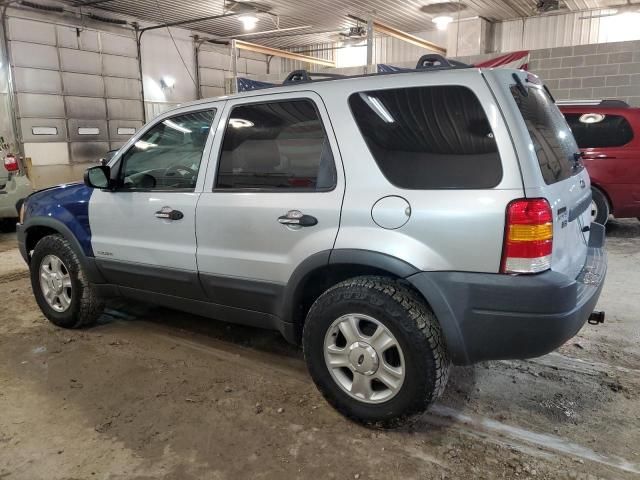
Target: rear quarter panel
pixel 447 229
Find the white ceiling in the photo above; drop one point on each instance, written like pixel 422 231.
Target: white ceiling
pixel 324 18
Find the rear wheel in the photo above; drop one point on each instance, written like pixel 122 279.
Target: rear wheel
pixel 599 207
pixel 62 291
pixel 375 350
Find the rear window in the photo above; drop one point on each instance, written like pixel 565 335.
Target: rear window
pixel 551 137
pixel 429 137
pixel 597 130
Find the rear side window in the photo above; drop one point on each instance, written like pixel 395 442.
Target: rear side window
pixel 596 130
pixel 276 146
pixel 550 135
pixel 429 137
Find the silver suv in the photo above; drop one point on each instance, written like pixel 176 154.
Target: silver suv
pixel 392 224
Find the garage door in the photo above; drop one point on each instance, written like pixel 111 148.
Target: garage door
pixel 77 90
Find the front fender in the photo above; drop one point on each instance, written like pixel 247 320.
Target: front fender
pixel 30 227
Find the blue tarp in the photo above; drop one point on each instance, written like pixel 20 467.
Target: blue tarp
pixel 245 84
pixel 382 68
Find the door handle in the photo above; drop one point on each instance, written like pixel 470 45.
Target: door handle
pixel 295 218
pixel 168 213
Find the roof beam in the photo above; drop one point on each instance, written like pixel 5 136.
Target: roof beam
pixel 254 47
pixel 401 35
pixel 407 37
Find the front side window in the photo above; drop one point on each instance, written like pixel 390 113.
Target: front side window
pixel 429 137
pixel 168 156
pixel 276 146
pixel 550 135
pixel 597 130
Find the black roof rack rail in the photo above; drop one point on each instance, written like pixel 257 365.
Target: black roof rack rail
pixel 306 76
pixel 433 60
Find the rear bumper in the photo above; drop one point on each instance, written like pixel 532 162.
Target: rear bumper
pixel 492 316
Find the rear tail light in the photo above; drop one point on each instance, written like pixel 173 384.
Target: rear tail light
pixel 528 236
pixel 11 163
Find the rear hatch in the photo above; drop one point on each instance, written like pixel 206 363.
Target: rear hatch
pixel 548 162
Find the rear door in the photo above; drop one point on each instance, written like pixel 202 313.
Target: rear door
pixel 546 150
pixel 272 197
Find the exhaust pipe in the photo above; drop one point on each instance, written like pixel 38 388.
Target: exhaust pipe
pixel 596 317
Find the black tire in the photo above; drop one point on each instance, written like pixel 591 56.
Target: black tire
pixel 8 225
pixel 602 206
pixel 416 330
pixel 85 306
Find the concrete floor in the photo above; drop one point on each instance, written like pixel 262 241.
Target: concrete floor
pixel 152 393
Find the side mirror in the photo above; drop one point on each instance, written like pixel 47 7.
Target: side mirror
pixel 98 177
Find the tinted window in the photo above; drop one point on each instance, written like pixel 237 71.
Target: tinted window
pixel 550 135
pixel 167 157
pixel 429 137
pixel 595 130
pixel 276 146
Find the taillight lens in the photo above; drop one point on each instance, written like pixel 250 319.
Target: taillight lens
pixel 528 236
pixel 11 163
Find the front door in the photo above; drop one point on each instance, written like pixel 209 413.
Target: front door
pixel 272 201
pixel 143 232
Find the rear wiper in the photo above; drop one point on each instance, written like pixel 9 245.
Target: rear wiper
pixel 577 160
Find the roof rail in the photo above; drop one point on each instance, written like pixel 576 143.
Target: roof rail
pixel 431 61
pixel 434 60
pixel 306 76
pixel 604 103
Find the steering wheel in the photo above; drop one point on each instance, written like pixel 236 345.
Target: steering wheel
pixel 178 169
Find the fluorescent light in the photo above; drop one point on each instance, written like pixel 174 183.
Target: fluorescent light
pixel 175 126
pixel 248 21
pixel 142 145
pixel 442 21
pixel 591 118
pixel 240 123
pixel 378 107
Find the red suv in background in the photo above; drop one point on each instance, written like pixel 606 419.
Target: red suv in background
pixel 608 133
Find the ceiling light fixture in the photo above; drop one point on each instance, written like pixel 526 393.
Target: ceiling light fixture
pixel 442 21
pixel 248 21
pixel 591 118
pixel 240 123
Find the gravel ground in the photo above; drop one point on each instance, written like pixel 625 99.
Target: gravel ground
pixel 152 393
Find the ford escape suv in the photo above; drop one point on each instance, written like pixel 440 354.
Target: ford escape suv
pixel 608 132
pixel 391 224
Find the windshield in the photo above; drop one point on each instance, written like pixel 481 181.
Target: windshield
pixel 551 137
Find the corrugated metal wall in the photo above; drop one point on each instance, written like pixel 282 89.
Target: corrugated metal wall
pixel 579 28
pixel 77 89
pixel 215 68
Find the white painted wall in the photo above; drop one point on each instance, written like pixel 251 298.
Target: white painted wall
pixel 566 30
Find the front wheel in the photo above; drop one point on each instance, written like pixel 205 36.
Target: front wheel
pixel 61 289
pixel 375 350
